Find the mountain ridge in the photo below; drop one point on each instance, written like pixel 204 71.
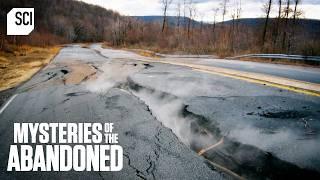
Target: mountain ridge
pixel 310 24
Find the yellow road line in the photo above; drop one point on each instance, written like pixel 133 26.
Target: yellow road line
pixel 228 171
pixel 271 84
pixel 202 151
pixel 302 87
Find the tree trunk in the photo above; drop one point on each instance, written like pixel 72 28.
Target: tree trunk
pixel 164 17
pixel 189 25
pixel 164 23
pixel 292 34
pixel 213 27
pixel 285 25
pixel 266 23
pixel 295 11
pixel 276 30
pixel 232 35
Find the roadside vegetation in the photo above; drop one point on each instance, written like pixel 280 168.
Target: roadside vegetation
pixel 59 22
pixel 19 63
pixel 288 33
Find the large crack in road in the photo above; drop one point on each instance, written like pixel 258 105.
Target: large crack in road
pixel 197 133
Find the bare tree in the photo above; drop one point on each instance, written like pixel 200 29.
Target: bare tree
pixel 224 6
pixel 165 6
pixel 178 14
pixel 191 10
pixel 238 16
pixel 277 27
pixel 238 13
pixel 267 8
pixel 295 12
pixel 280 9
pixel 215 13
pixel 233 16
pixel 287 9
pixel 184 12
pixel 286 15
pixel 239 9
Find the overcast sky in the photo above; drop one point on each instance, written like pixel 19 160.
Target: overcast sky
pixel 250 8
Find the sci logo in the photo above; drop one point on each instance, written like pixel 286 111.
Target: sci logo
pixel 20 21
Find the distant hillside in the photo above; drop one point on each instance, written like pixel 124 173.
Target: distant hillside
pixel 61 21
pixel 172 20
pixel 309 25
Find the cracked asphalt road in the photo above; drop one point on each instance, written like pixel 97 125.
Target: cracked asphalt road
pixel 151 105
pixel 151 151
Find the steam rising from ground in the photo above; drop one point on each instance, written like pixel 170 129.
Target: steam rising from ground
pixel 165 110
pixel 168 110
pixel 181 85
pixel 305 151
pixel 114 74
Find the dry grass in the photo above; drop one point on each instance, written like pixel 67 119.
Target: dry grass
pixel 106 45
pixel 85 45
pixel 21 63
pixel 145 53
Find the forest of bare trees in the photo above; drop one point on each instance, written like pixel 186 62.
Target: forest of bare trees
pixel 67 21
pixel 61 21
pixel 286 33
